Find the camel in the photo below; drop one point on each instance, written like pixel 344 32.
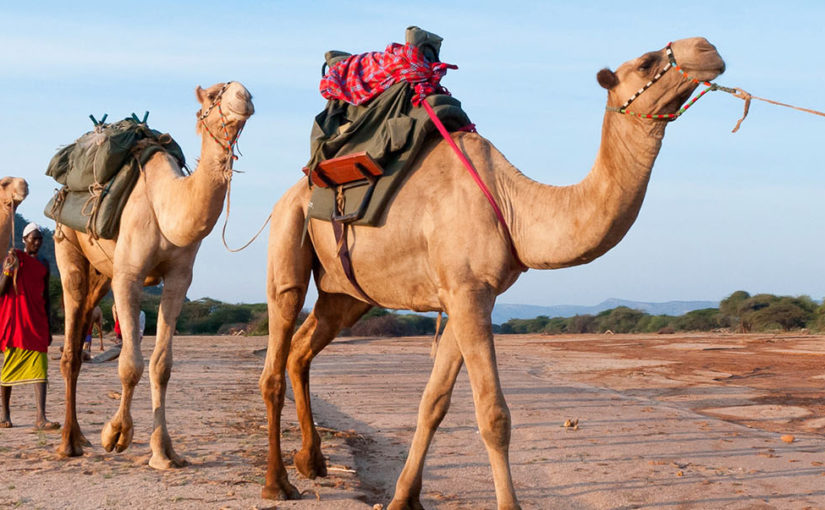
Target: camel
pixel 13 190
pixel 441 248
pixel 163 222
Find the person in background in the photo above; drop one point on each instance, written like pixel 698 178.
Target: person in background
pixel 25 326
pixel 119 333
pixel 96 320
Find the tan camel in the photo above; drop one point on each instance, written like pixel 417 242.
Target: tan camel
pixel 441 248
pixel 13 190
pixel 164 220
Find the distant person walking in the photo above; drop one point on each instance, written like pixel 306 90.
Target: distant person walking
pixel 25 333
pixel 96 321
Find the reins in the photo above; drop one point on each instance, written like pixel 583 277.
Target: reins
pixel 12 246
pixel 711 86
pixel 474 174
pixel 229 144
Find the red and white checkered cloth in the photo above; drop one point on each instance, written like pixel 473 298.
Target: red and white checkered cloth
pixel 359 78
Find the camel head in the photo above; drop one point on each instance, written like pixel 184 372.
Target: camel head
pixel 13 190
pixel 224 104
pixel 695 56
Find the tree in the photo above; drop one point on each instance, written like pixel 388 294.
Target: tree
pixel 730 310
pixel 619 320
pixel 706 319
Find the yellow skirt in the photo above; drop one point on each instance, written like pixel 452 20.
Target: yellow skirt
pixel 22 366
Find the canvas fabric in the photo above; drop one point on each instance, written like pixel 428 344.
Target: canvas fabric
pixel 98 172
pixel 391 130
pixel 375 107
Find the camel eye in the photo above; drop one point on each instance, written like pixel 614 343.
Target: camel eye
pixel 646 62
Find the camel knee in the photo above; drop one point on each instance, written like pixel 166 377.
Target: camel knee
pixel 160 370
pixel 494 426
pixel 272 387
pixel 435 407
pixel 130 372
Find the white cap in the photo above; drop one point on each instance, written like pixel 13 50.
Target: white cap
pixel 31 227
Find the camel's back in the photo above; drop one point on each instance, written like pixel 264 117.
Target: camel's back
pixel 438 224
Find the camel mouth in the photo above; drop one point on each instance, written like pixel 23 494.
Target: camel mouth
pixel 244 110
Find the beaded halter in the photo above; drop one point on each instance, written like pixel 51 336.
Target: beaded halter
pixel 668 116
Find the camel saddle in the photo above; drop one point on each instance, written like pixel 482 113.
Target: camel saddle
pixel 360 154
pixel 98 172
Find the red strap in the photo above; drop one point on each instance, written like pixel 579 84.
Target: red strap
pixel 476 178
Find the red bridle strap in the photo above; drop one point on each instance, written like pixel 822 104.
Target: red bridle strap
pixel 474 174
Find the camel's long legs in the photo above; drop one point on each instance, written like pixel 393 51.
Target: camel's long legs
pixel 434 405
pixel 83 287
pixel 175 286
pixel 117 433
pixel 331 313
pixel 290 264
pixel 470 323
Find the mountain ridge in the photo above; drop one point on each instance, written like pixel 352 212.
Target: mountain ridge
pixel 502 312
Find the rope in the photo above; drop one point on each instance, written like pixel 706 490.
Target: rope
pixel 226 219
pixel 11 248
pixel 434 348
pixel 736 92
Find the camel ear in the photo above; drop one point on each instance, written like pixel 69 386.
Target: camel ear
pixel 200 94
pixel 607 78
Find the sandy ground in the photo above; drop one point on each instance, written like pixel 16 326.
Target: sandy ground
pixel 664 421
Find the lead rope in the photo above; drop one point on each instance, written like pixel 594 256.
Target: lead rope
pixel 229 144
pixel 11 249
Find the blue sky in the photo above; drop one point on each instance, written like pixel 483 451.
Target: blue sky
pixel 723 211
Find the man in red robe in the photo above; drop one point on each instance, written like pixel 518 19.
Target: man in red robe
pixel 25 333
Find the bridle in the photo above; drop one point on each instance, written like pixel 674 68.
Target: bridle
pixel 228 143
pixel 668 116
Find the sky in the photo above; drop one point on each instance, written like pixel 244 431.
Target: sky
pixel 723 211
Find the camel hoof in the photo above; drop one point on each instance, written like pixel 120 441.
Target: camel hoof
pixel 405 505
pixel 162 463
pixel 280 493
pixel 70 449
pixel 72 443
pixel 309 464
pixel 116 436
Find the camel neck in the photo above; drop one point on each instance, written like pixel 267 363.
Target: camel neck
pixel 563 226
pixel 187 208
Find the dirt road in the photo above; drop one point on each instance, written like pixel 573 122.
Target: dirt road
pixel 664 421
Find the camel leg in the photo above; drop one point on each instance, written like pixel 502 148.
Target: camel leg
pixel 289 267
pixel 83 287
pixel 331 313
pixel 160 366
pixel 117 433
pixel 434 405
pixel 470 323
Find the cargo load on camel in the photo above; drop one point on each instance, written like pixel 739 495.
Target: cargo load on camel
pixel 98 172
pixel 375 125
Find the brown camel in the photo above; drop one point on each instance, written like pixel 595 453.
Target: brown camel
pixel 164 220
pixel 442 248
pixel 13 190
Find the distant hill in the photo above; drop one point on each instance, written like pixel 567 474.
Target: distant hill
pixel 502 312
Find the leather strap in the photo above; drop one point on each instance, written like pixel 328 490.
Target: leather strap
pixel 340 231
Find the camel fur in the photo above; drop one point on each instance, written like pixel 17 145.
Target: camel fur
pixel 441 248
pixel 13 190
pixel 163 222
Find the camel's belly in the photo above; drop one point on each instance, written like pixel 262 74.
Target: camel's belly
pixel 393 274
